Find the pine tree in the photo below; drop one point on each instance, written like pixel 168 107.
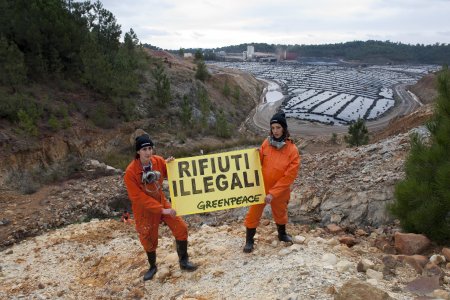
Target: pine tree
pixel 237 92
pixel 222 128
pixel 204 104
pixel 226 91
pixel 11 63
pixel 202 71
pixel 422 199
pixel 186 111
pixel 358 134
pixel 198 55
pixel 163 94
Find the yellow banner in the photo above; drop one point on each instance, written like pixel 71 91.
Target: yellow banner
pixel 216 181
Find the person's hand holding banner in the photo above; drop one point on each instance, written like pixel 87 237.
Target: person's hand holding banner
pixel 216 181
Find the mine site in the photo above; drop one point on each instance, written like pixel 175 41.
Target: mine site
pixel 238 150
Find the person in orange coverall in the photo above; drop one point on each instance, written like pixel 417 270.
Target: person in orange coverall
pixel 144 179
pixel 280 163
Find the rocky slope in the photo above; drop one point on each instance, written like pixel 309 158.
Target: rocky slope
pixel 349 187
pixel 426 88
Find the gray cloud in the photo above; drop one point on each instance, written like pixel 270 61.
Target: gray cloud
pixel 205 23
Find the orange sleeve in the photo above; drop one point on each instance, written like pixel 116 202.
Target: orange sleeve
pixel 162 166
pixel 289 175
pixel 137 195
pixel 261 151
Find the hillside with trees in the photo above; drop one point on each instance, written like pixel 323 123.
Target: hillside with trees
pixel 72 84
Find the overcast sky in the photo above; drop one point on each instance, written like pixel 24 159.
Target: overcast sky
pixel 172 24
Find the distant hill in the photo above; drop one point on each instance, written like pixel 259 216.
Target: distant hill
pixel 364 51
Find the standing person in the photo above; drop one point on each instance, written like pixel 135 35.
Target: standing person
pixel 144 179
pixel 280 162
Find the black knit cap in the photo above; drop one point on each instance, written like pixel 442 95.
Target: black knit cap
pixel 143 141
pixel 279 118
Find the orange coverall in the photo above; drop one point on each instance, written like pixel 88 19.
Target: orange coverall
pixel 147 202
pixel 279 168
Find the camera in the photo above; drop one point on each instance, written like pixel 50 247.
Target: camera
pixel 150 176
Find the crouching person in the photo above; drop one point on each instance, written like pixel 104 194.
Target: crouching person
pixel 144 179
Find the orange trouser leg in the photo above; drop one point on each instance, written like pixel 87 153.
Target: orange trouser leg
pixel 279 211
pixel 254 215
pixel 177 226
pixel 148 233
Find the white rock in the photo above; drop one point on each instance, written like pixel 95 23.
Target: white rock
pixel 372 281
pixel 284 251
pixel 299 239
pixel 374 274
pixel 295 247
pixel 332 242
pixel 329 259
pixel 367 264
pixel 344 266
pixel 437 259
pixel 441 294
pixel 320 240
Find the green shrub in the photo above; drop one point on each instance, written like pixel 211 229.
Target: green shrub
pixel 54 123
pixel 117 160
pixel 100 117
pixel 27 123
pixel 333 138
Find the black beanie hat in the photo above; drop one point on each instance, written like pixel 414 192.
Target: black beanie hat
pixel 143 141
pixel 279 118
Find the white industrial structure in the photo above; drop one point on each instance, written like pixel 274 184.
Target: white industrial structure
pixel 249 54
pixel 250 51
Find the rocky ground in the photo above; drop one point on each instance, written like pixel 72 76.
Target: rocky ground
pixel 104 260
pixel 344 240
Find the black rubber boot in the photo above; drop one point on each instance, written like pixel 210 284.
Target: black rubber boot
pixel 282 235
pixel 249 241
pixel 184 257
pixel 152 261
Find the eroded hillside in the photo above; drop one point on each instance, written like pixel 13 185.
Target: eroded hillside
pixel 29 161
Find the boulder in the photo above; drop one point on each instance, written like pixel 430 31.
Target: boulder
pixel 423 285
pixel 411 243
pixel 358 290
pixel 446 253
pixel 334 229
pixel 348 240
pixel 364 265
